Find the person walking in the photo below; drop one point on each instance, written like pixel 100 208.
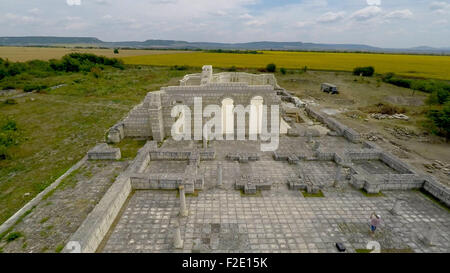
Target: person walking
pixel 375 220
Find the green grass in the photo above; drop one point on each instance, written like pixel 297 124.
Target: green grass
pixel 363 250
pixel 194 194
pixel 129 147
pixel 366 194
pixel 59 248
pixel 434 199
pixel 17 222
pixel 313 195
pixel 13 236
pixel 60 126
pixel 43 220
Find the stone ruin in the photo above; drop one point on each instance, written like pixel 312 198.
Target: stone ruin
pixel 360 164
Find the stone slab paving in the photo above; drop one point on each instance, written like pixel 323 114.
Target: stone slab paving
pixel 222 220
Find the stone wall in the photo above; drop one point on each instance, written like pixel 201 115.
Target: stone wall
pixel 208 154
pixel 341 130
pixel 438 190
pixel 96 225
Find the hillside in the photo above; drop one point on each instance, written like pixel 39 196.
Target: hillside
pixel 173 44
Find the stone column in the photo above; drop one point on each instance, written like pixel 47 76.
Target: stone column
pixel 178 243
pixel 183 210
pixel 396 208
pixel 219 174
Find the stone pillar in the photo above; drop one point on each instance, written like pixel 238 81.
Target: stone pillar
pixel 178 243
pixel 156 116
pixel 219 174
pixel 396 208
pixel 183 210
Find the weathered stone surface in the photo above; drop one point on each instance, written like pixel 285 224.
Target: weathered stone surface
pixel 104 152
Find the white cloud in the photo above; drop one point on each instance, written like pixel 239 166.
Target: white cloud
pixel 366 13
pixel 440 7
pixel 73 2
pixel 303 24
pixel 107 16
pixel 373 2
pixel 400 14
pixel 255 23
pixel 34 11
pixel 245 16
pixel 330 17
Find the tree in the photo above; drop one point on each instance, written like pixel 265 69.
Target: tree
pixel 364 71
pixel 271 68
pixel 283 70
pixel 116 51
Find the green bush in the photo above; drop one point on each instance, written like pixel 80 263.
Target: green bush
pixel 10 101
pixel 13 236
pixel 34 87
pixel 271 68
pixel 441 120
pixel 365 71
pixel 8 137
pixel 116 51
pixel 179 67
pixel 283 70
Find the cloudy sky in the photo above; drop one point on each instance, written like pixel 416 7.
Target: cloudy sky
pixel 385 23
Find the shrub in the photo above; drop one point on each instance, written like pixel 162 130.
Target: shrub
pixel 8 137
pixel 439 96
pixel 271 68
pixel 385 108
pixel 13 236
pixel 441 121
pixel 34 87
pixel 283 70
pixel 116 51
pixel 96 72
pixel 179 67
pixel 10 101
pixel 365 71
pixel 232 69
pixel 3 72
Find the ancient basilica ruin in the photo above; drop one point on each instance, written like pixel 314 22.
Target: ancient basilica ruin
pixel 209 195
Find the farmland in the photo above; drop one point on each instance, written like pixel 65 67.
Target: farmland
pixel 23 54
pixel 422 66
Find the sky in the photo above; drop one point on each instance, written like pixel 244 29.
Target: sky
pixel 383 23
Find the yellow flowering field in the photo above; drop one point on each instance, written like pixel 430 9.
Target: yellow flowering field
pixel 425 66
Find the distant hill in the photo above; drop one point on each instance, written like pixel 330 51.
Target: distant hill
pixel 172 44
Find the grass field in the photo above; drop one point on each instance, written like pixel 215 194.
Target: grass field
pixel 57 128
pixel 22 54
pixel 436 67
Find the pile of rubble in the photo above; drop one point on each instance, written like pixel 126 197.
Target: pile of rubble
pixel 438 165
pixel 385 116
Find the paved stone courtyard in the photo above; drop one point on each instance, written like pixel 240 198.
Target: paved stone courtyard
pixel 277 221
